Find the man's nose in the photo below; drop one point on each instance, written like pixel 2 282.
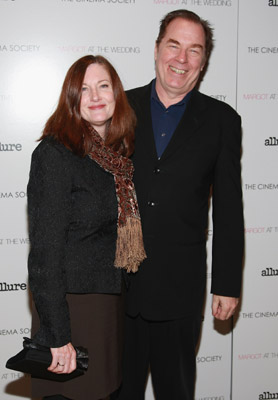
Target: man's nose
pixel 182 56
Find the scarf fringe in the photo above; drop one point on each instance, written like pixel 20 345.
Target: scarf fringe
pixel 129 245
pixel 130 250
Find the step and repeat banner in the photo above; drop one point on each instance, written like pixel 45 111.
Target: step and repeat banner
pixel 39 40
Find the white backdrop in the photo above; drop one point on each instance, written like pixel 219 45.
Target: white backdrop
pixel 39 40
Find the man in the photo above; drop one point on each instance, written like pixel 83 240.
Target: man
pixel 186 144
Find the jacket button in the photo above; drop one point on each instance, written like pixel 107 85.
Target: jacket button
pixel 151 203
pixel 156 170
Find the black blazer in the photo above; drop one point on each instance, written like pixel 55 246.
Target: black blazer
pixel 72 210
pixel 173 194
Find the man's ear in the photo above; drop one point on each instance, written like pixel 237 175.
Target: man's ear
pixel 155 52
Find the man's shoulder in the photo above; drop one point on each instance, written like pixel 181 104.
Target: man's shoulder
pixel 214 104
pixel 138 93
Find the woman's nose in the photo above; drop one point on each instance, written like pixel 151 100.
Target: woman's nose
pixel 94 95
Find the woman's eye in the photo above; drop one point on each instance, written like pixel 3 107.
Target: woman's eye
pixel 84 88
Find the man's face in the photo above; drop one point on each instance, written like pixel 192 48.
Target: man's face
pixel 180 57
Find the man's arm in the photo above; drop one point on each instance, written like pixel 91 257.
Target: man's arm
pixel 227 215
pixel 223 307
pixel 228 227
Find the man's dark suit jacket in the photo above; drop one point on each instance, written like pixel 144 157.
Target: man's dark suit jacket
pixel 173 195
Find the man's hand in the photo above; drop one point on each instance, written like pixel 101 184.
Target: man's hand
pixel 63 359
pixel 223 307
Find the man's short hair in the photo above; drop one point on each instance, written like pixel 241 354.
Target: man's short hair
pixel 189 16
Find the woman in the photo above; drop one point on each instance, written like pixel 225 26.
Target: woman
pixel 84 224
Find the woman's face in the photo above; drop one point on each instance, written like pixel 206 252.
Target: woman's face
pixel 97 100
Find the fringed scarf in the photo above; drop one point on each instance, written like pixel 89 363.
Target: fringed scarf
pixel 130 250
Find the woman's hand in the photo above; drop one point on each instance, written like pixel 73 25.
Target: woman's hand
pixel 63 359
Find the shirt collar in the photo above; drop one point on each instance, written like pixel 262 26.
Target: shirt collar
pixel 154 96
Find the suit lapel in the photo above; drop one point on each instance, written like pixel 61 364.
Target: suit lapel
pixel 144 131
pixel 190 122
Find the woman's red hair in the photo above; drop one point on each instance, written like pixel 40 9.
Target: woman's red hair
pixel 68 127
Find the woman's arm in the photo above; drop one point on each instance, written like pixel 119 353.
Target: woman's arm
pixel 63 359
pixel 49 202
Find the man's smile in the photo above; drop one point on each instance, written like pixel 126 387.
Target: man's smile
pixel 178 71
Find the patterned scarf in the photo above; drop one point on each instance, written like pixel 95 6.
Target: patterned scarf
pixel 129 247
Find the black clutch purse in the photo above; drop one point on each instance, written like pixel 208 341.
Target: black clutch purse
pixel 34 359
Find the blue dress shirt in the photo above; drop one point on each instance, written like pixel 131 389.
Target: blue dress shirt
pixel 165 120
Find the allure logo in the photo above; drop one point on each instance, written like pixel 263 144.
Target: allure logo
pixel 10 147
pixel 271 141
pixel 270 272
pixel 268 396
pixel 8 287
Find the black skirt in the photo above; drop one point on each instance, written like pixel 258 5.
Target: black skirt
pixel 96 323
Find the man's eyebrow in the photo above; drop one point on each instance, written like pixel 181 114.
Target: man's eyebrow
pixel 173 41
pixel 178 43
pixel 197 45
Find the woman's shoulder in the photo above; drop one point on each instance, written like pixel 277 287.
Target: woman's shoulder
pixel 49 148
pixel 50 145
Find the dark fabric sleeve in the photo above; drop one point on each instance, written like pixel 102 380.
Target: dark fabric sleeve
pixel 228 228
pixel 49 201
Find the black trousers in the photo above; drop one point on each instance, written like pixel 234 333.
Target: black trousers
pixel 56 397
pixel 60 397
pixel 168 348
